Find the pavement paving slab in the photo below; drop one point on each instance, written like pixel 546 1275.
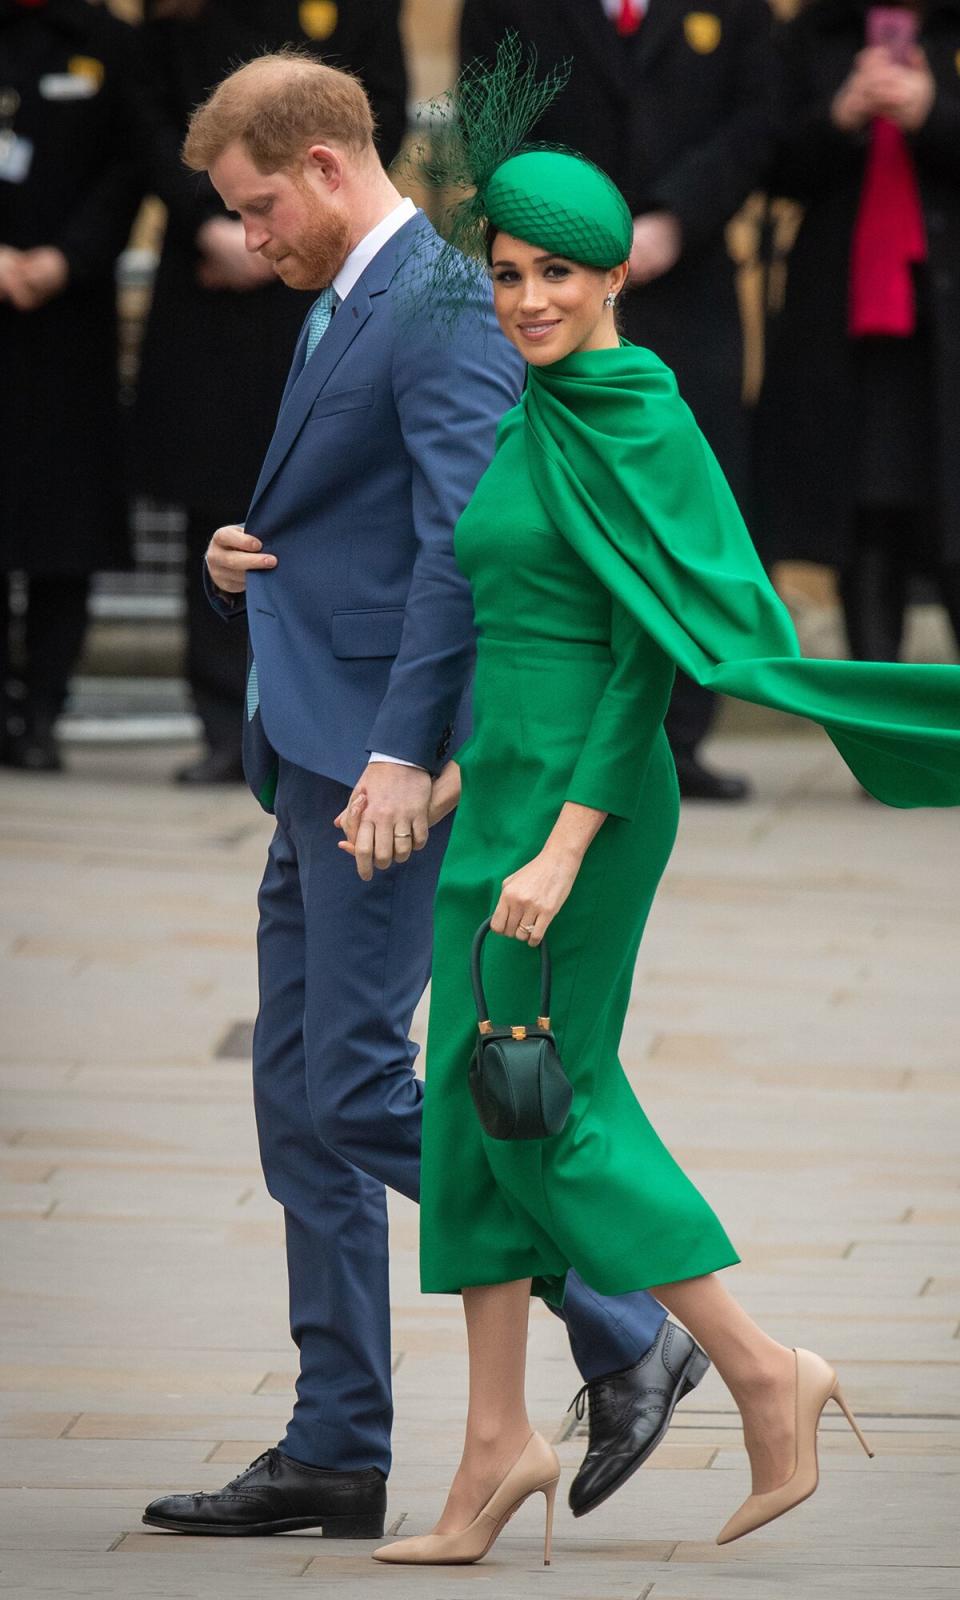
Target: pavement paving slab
pixel 792 1036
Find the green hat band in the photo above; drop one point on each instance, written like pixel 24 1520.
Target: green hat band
pixel 563 203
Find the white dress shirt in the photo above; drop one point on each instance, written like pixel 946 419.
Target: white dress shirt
pixel 612 8
pixel 370 245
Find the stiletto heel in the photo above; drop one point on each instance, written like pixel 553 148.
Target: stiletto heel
pixel 841 1402
pixel 816 1384
pixel 550 1495
pixel 536 1471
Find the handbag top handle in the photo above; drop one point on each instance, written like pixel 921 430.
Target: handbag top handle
pixel 476 974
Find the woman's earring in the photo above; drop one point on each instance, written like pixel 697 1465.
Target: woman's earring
pixel 610 300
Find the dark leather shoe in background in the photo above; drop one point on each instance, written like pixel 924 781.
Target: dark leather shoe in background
pixel 630 1412
pixel 698 782
pixel 33 748
pixel 276 1494
pixel 219 765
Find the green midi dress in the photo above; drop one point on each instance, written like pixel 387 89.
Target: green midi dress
pixel 604 548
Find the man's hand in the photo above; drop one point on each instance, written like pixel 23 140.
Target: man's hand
pixel 386 817
pixel 226 263
pixel 231 554
pixel 29 278
pixel 657 242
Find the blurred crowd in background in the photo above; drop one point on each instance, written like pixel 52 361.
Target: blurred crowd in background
pixel 795 182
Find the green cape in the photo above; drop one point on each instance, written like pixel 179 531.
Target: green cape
pixel 626 476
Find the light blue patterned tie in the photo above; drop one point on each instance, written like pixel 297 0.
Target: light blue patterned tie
pixel 253 692
pixel 320 315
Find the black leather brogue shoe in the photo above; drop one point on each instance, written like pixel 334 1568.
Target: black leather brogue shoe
pixel 629 1413
pixel 276 1494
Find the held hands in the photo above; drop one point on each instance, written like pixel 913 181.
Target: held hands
pixel 387 816
pixel 444 796
pixel 878 86
pixel 231 554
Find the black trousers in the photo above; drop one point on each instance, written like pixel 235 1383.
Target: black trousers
pixel 216 650
pixel 889 546
pixel 40 649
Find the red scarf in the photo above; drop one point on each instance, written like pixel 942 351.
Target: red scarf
pixel 888 238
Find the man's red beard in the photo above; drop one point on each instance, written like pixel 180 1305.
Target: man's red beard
pixel 318 254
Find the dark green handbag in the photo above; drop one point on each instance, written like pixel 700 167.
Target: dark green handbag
pixel 516 1077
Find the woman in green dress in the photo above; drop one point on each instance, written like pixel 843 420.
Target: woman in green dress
pixel 604 549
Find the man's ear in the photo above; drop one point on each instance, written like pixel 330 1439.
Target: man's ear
pixel 326 163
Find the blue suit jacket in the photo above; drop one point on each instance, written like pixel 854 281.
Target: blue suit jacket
pixel 363 633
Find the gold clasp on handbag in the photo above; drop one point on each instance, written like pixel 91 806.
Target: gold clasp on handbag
pixel 519 1033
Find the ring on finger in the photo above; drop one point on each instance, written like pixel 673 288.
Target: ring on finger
pixel 526 927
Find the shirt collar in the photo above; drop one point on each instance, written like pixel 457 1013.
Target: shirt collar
pixel 370 245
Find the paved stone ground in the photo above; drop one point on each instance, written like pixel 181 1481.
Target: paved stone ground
pixel 793 1035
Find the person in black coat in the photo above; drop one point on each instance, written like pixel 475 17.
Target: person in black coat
pixel 68 194
pixel 222 327
pixel 677 106
pixel 860 430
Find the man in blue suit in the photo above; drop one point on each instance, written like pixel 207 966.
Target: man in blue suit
pixel 362 643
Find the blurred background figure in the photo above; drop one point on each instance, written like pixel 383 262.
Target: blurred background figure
pixel 859 421
pixel 68 194
pixel 676 104
pixel 221 328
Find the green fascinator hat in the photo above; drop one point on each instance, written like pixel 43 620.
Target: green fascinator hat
pixel 563 203
pixel 476 152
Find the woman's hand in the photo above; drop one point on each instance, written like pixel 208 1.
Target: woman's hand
pixel 531 898
pixel 445 794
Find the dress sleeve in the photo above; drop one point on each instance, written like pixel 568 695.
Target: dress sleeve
pixel 610 768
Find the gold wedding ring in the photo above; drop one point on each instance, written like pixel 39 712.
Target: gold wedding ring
pixel 525 927
pixel 402 835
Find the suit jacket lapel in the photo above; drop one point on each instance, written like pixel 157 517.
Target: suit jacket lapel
pixel 307 380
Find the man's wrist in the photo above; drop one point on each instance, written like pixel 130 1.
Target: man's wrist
pixel 393 761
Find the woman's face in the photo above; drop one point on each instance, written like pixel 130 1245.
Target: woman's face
pixel 549 306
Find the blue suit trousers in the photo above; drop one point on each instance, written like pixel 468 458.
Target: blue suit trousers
pixel 343 965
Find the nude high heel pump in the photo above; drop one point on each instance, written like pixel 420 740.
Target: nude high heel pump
pixel 816 1384
pixel 536 1471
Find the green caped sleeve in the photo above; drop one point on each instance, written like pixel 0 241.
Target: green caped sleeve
pixel 622 470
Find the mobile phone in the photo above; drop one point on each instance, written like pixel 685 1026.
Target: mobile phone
pixel 893 27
